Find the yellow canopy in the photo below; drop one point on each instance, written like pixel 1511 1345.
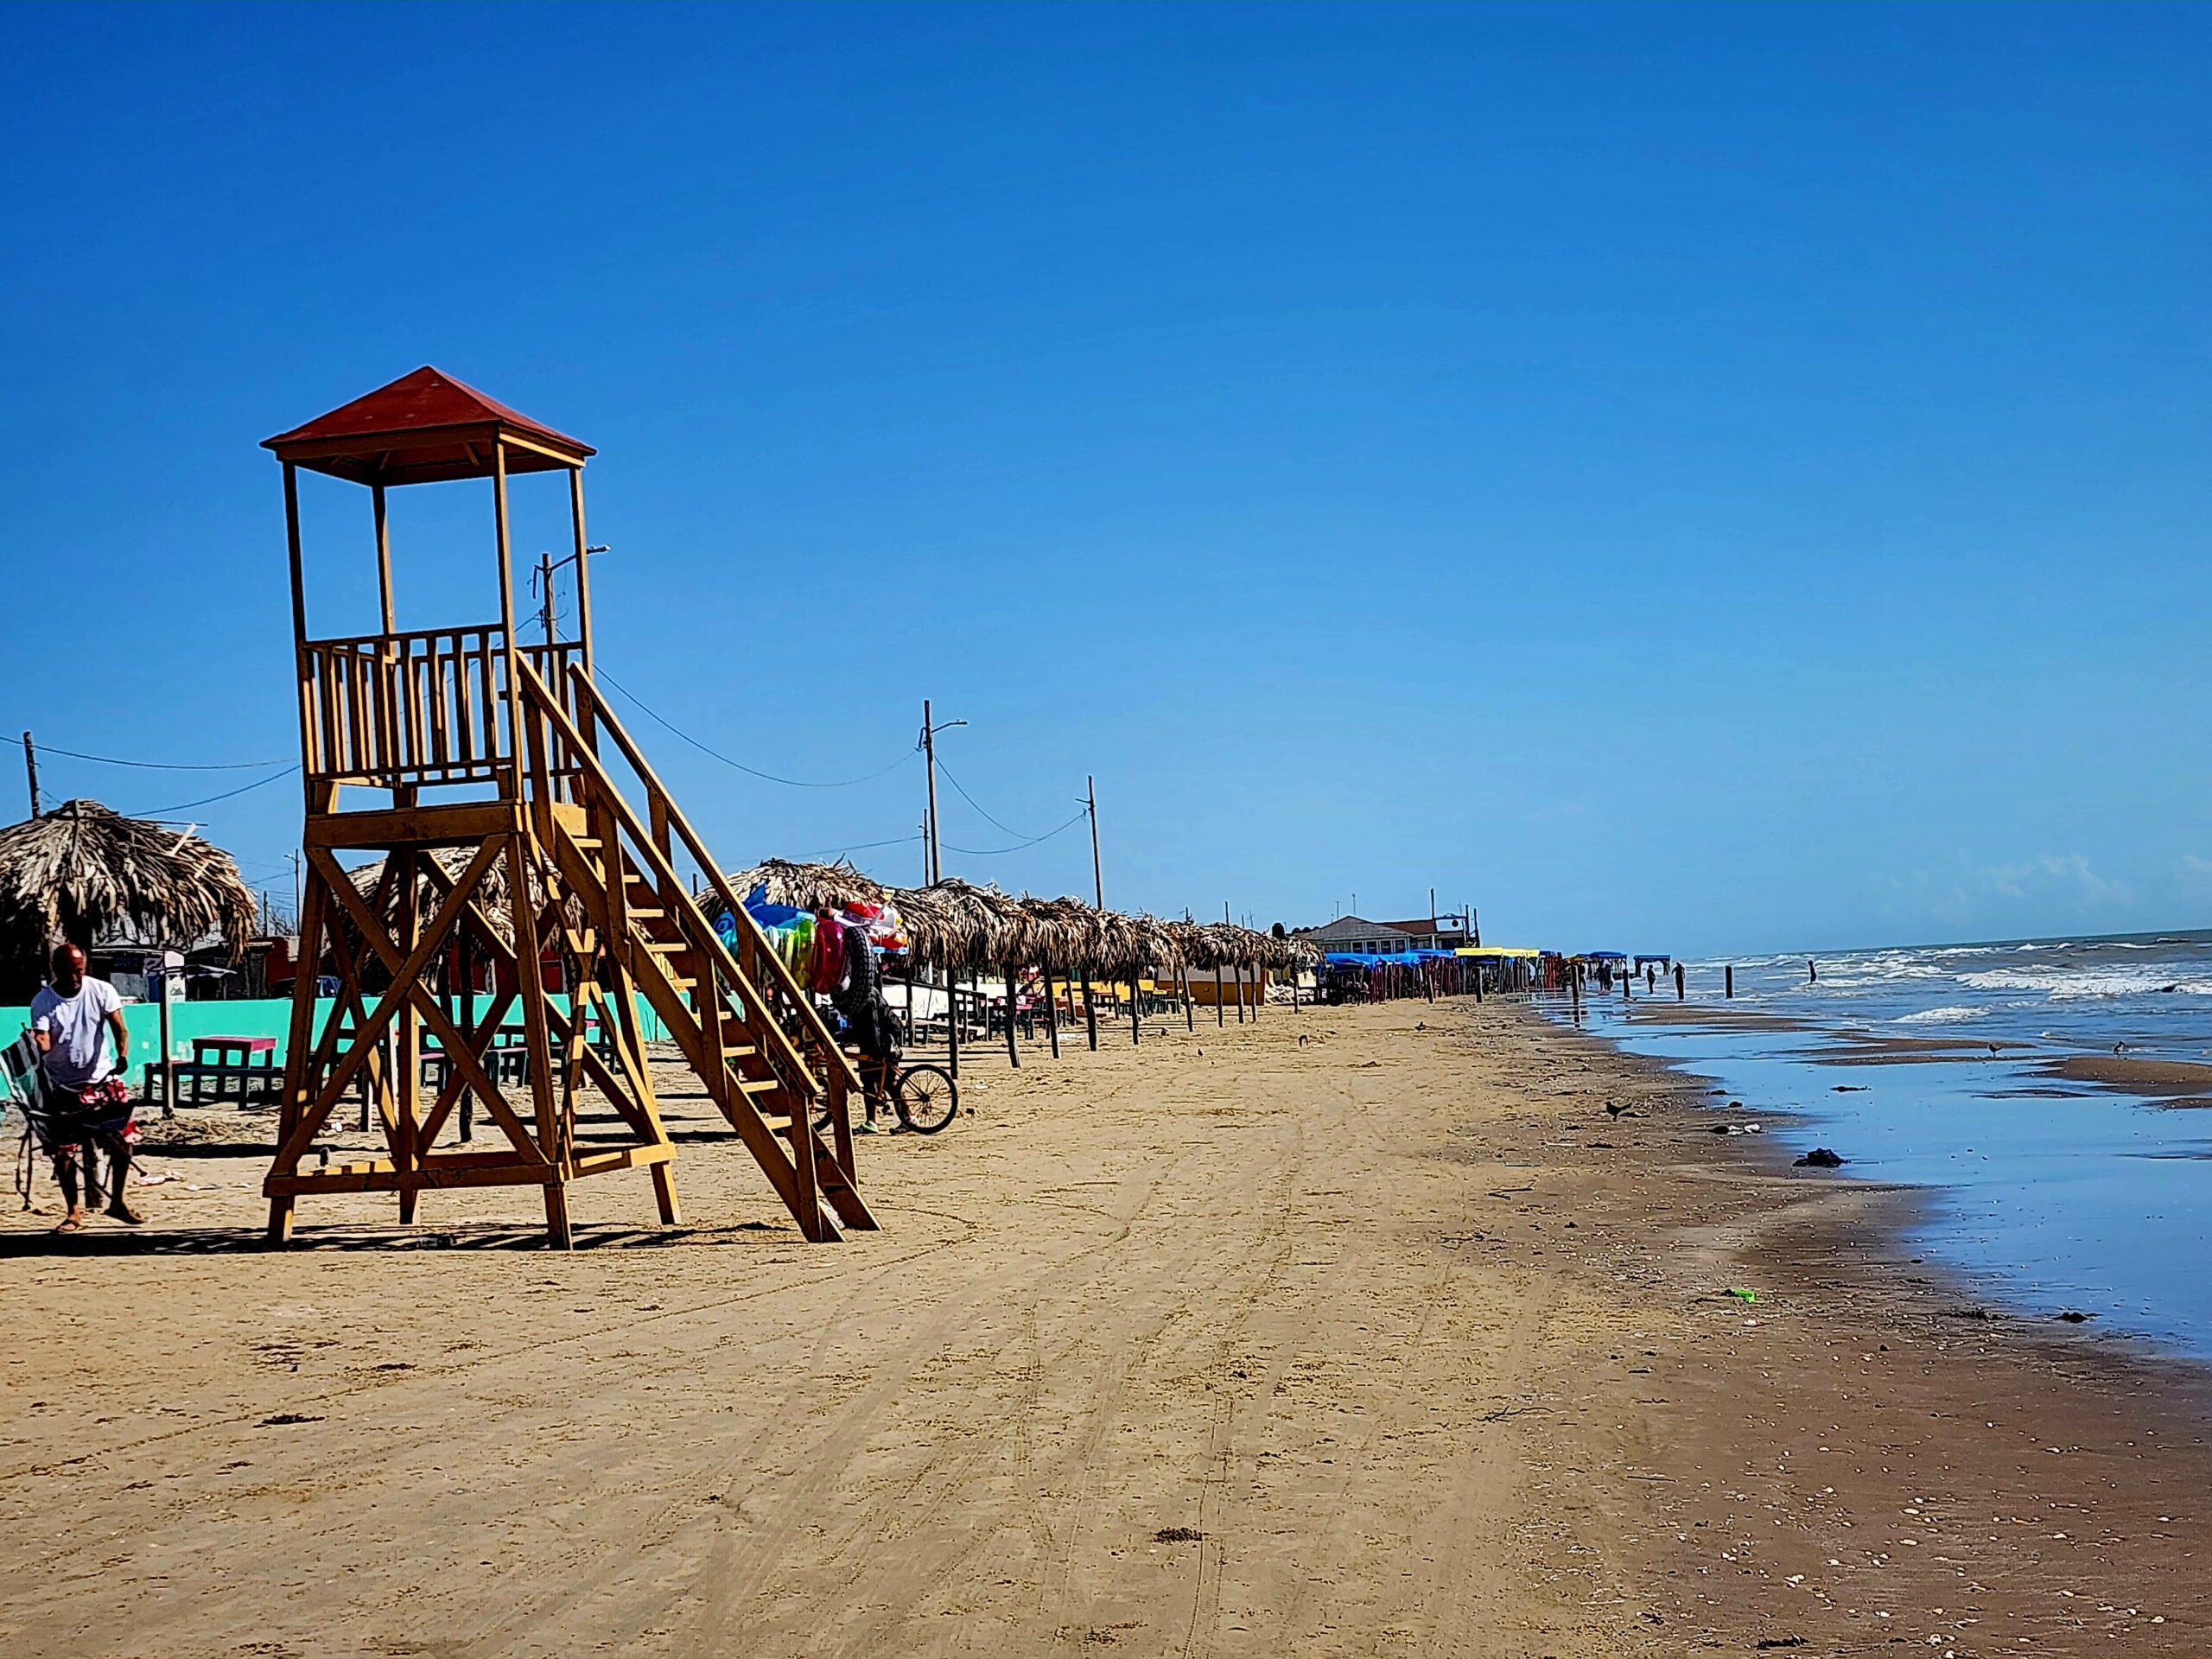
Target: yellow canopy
pixel 1498 950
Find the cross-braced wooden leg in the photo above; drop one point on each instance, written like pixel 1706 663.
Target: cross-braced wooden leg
pixel 556 1216
pixel 672 1212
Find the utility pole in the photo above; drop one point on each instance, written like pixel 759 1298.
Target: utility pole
pixel 295 894
pixel 545 578
pixel 1097 880
pixel 929 757
pixel 30 766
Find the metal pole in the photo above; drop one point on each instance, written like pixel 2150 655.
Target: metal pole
pixel 929 757
pixel 168 1066
pixel 1240 969
pixel 30 766
pixel 1097 879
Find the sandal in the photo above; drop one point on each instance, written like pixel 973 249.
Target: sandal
pixel 123 1212
pixel 71 1224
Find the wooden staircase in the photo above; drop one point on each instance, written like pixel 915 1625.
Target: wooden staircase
pixel 744 1024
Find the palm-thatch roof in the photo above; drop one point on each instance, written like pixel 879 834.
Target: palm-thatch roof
pixel 805 886
pixel 491 891
pixel 956 925
pixel 84 870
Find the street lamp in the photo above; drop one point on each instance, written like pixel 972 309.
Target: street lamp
pixel 547 564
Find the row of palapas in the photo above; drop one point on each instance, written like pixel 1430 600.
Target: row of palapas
pixel 958 927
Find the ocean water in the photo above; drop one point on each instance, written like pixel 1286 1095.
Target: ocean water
pixel 2048 1195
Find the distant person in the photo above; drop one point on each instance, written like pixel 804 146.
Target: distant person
pixel 1650 979
pixel 1812 973
pixel 84 1047
pixel 869 1024
pixel 1678 981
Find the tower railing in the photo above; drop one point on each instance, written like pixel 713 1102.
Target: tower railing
pixel 431 707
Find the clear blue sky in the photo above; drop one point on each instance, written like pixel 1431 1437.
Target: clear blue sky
pixel 1709 480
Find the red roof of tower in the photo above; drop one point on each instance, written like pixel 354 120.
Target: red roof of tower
pixel 422 428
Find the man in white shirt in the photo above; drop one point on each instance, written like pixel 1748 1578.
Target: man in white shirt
pixel 77 1026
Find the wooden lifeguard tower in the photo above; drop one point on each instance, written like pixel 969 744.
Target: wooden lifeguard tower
pixel 507 841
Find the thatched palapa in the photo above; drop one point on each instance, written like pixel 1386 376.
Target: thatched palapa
pixel 84 870
pixel 491 891
pixel 805 886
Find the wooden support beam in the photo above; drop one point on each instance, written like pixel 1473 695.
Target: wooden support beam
pixel 1052 1013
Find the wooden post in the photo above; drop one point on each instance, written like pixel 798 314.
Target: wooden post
pixel 30 769
pixel 952 1020
pixel 1731 972
pixel 1183 985
pixel 406 1154
pixel 583 568
pixel 383 557
pixel 552 1136
pixel 1013 1054
pixel 512 787
pixel 1090 1013
pixel 1136 1014
pixel 1052 1013
pixel 168 1066
pixel 1220 1017
pixel 310 758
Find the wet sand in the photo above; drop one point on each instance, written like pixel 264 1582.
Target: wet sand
pixel 2171 1081
pixel 1393 1342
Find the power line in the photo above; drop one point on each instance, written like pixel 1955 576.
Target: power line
pixel 994 852
pixel 978 805
pixel 972 852
pixel 209 800
pixel 861 846
pixel 739 765
pixel 158 766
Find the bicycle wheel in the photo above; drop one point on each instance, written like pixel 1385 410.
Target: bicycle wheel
pixel 927 1098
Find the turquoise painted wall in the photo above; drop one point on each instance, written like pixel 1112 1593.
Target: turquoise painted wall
pixel 260 1018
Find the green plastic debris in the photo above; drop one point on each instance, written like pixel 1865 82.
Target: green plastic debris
pixel 1746 1296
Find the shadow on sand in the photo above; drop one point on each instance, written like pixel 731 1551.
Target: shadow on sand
pixel 105 1238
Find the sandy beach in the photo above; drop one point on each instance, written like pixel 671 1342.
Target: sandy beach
pixel 1392 1340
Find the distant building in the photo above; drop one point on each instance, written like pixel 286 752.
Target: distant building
pixel 1390 939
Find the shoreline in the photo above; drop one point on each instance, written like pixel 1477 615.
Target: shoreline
pixel 1887 1378
pixel 1423 1350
